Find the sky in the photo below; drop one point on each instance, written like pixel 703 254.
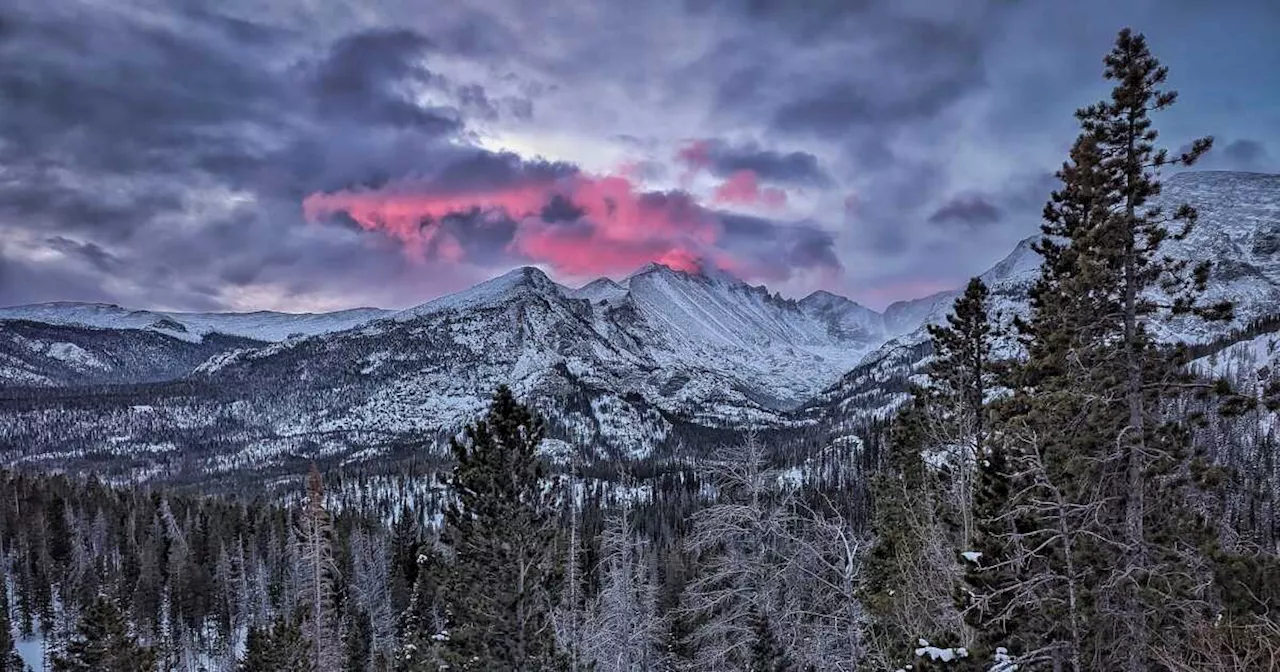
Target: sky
pixel 308 155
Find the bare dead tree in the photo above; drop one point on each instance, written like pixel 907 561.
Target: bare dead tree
pixel 318 572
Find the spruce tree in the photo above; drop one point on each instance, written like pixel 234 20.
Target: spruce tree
pixel 500 530
pixel 905 578
pixel 102 643
pixel 423 624
pixel 359 645
pixel 960 377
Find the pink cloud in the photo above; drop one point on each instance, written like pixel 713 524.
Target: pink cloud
pixel 743 188
pixel 621 227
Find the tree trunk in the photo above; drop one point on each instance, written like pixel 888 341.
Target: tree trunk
pixel 1136 445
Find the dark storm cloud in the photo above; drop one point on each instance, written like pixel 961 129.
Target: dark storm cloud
pixel 23 282
pixel 1241 154
pixel 482 236
pixel 1245 152
pixel 724 159
pixel 34 195
pixel 876 84
pixel 89 252
pixel 923 64
pixel 778 249
pixel 369 77
pixel 801 21
pixel 110 94
pixel 969 209
pixel 561 209
pixel 482 171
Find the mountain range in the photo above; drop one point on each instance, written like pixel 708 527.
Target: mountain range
pixel 624 369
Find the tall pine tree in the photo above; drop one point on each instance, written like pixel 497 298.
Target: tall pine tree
pixel 960 377
pixel 1129 243
pixel 500 529
pixel 1095 550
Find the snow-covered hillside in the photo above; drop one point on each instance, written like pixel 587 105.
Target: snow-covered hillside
pixel 259 326
pixel 34 354
pixel 1238 231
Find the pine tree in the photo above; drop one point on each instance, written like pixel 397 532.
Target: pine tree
pixel 103 644
pixel 359 645
pixel 1080 565
pixel 955 399
pixel 501 533
pixel 406 537
pixel 423 625
pixel 1129 245
pixel 911 568
pixel 1048 441
pixel 961 372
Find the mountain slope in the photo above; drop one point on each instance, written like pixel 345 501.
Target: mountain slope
pixel 47 355
pixel 259 326
pixel 1238 231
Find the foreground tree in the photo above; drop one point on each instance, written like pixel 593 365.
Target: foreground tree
pixel 1132 238
pixel 102 643
pixel 925 512
pixel 1098 546
pixel 500 533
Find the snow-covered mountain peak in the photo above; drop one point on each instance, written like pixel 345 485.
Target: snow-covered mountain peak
pixel 600 289
pixel 647 269
pixel 523 281
pixel 822 300
pixel 1022 264
pixel 703 273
